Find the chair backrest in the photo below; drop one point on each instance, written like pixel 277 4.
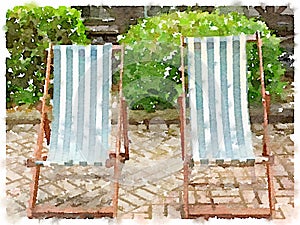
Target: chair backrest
pixel 81 98
pixel 220 127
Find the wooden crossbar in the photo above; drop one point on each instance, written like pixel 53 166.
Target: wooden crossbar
pixel 48 211
pixel 223 211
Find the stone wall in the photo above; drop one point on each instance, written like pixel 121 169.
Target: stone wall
pixel 106 23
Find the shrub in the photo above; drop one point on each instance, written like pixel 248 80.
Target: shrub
pixel 154 44
pixel 29 29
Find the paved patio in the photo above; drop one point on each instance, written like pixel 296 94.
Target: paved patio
pixel 151 182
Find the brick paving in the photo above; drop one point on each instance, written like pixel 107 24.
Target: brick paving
pixel 151 181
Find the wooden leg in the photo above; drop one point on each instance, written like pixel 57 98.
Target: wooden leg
pixel 186 189
pixel 271 193
pixel 181 126
pixel 115 198
pixel 36 170
pixel 116 172
pixel 34 186
pixel 125 130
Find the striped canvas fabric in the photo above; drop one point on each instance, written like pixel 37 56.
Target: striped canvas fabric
pixel 220 127
pixel 81 121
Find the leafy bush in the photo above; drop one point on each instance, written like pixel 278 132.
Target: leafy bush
pixel 29 29
pixel 144 88
pixel 154 43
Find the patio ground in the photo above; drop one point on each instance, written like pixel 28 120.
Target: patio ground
pixel 151 182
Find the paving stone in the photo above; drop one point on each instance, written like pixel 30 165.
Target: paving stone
pixel 248 195
pixel 27 175
pixel 134 200
pixel 96 201
pixel 284 126
pixel 125 216
pixel 288 211
pixel 202 197
pixel 144 193
pixel 289 149
pixel 263 196
pixel 171 200
pixel 258 128
pixel 169 184
pixel 199 179
pixel 8 180
pixel 227 200
pixel 53 189
pixel 175 193
pixel 91 195
pixel 239 172
pixel 132 128
pixel 282 201
pixel 43 195
pixel 153 187
pixel 126 206
pixel 140 216
pixel 13 175
pixel 173 212
pixel 232 192
pixel 141 209
pixel 279 214
pixel 289 193
pixel 13 210
pixel 260 170
pixel 164 174
pixel 192 199
pixel 279 170
pixel 158 211
pixel 277 184
pixel 287 183
pixel 14 192
pixel 12 136
pixel 65 185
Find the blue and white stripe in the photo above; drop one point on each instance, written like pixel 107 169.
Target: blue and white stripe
pixel 220 127
pixel 81 119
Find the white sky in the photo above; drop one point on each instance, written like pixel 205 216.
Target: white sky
pixel 7 4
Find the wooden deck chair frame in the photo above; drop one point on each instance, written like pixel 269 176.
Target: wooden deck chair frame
pixel 46 211
pixel 206 211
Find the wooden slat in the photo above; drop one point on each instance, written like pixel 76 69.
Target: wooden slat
pixel 251 37
pixel 117 47
pixel 71 212
pixel 222 211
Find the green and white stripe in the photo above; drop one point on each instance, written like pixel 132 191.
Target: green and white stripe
pixel 81 120
pixel 220 127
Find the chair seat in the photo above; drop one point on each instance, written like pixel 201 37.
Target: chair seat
pixel 81 99
pixel 220 125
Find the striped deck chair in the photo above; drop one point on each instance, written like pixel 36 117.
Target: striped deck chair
pixel 219 118
pixel 81 119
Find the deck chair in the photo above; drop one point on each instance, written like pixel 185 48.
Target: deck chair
pixel 219 119
pixel 81 121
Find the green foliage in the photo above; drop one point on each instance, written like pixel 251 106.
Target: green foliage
pixel 156 41
pixel 143 85
pixel 29 29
